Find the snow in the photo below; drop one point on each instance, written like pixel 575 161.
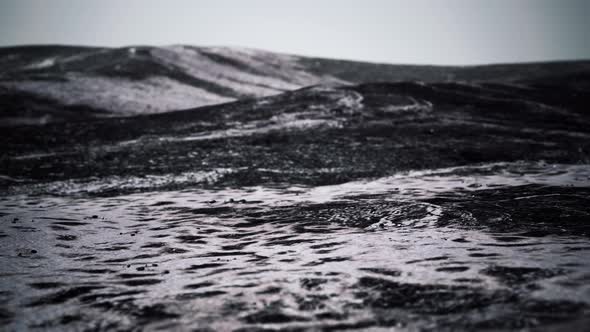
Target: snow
pixel 152 95
pixel 45 63
pixel 234 73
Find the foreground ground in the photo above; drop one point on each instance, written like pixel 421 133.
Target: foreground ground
pixel 429 206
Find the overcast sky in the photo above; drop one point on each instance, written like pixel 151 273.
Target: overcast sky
pixel 412 31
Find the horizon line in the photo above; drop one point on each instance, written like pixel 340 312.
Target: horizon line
pixel 417 64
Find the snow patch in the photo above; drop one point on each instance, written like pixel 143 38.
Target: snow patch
pixel 49 62
pixel 120 95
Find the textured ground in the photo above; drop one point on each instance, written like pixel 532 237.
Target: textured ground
pixel 408 205
pixel 42 84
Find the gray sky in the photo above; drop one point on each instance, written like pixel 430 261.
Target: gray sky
pixel 412 31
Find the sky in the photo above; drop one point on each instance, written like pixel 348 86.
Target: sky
pixel 456 32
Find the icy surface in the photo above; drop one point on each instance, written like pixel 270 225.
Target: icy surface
pixel 324 257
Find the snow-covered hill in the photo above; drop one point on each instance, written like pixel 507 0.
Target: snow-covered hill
pixel 40 84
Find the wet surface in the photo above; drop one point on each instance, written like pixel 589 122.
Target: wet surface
pixel 418 257
pixel 405 206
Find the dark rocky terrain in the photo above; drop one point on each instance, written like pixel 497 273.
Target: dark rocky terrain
pixel 330 195
pixel 41 84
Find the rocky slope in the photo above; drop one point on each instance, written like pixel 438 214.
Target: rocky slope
pixel 40 84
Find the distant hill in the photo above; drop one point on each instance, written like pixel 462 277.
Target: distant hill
pixel 40 84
